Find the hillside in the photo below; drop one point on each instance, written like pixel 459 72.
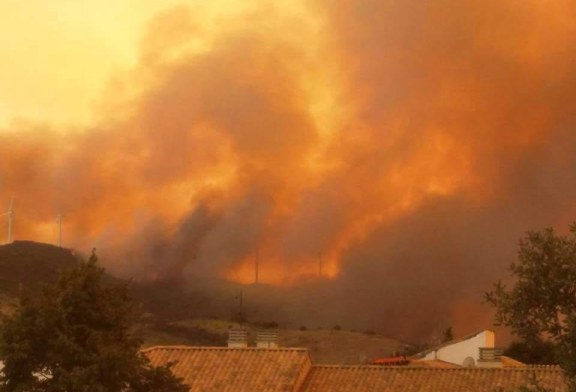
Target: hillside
pixel 26 265
pixel 327 346
pixel 341 347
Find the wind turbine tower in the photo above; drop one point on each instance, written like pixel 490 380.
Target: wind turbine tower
pixel 257 267
pixel 59 223
pixel 10 214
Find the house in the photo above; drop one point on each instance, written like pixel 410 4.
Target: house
pixel 477 349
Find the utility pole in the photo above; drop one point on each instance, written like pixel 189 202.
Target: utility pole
pixel 240 314
pixel 59 222
pixel 256 266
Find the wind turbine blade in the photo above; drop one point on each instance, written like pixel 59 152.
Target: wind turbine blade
pixel 11 205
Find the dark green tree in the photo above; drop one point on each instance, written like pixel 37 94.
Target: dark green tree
pixel 76 337
pixel 538 352
pixel 541 304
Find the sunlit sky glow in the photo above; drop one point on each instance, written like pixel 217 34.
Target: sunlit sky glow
pixel 59 55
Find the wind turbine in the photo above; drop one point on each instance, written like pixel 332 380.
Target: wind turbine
pixel 59 223
pixel 10 214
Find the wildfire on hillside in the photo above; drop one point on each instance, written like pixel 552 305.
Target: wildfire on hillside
pixel 393 151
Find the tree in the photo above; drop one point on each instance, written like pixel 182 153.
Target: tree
pixel 541 304
pixel 539 352
pixel 447 335
pixel 77 337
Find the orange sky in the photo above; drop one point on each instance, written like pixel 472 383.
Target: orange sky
pixel 58 56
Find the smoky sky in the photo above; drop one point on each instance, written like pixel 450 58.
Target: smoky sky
pixel 405 145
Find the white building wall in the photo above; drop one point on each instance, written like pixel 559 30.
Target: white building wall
pixel 458 351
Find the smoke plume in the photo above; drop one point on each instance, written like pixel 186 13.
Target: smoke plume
pixel 378 159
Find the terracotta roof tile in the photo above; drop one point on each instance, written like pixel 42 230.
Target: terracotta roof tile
pixel 221 369
pixel 433 363
pixel 413 379
pixel 508 362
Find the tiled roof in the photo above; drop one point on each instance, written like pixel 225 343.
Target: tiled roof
pixel 221 369
pixel 433 363
pixel 413 379
pixel 508 362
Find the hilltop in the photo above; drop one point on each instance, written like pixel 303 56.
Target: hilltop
pixel 27 265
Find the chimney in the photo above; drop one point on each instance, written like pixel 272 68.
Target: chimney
pixel 237 338
pixel 267 339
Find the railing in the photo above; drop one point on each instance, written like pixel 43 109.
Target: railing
pixel 237 338
pixel 491 354
pixel 267 338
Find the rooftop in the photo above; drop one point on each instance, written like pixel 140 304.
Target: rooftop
pixel 232 369
pixel 414 379
pixel 253 369
pixel 450 343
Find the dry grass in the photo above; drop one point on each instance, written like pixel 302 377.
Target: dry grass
pixel 340 347
pixel 7 304
pixel 326 346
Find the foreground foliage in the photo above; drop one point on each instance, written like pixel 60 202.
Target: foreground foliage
pixel 540 307
pixel 77 338
pixel 540 352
